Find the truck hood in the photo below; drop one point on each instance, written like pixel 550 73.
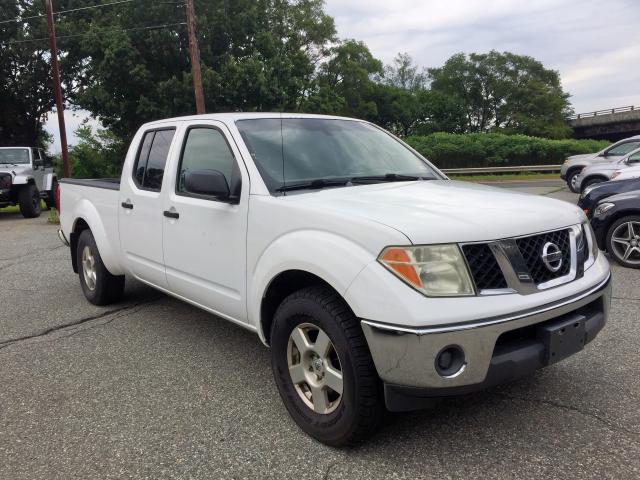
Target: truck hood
pixel 16 170
pixel 581 156
pixel 441 211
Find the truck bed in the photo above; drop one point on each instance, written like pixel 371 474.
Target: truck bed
pixel 108 183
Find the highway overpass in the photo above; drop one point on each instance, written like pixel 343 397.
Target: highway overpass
pixel 612 124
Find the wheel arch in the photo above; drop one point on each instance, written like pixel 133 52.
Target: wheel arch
pixel 280 287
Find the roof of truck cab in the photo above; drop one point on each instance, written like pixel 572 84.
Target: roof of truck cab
pixel 233 116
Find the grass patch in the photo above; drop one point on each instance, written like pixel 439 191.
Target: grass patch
pixel 507 177
pixel 10 209
pixel 53 217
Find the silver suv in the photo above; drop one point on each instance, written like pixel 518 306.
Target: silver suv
pixel 26 178
pixel 603 171
pixel 573 165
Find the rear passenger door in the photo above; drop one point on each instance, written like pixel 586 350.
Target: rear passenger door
pixel 140 208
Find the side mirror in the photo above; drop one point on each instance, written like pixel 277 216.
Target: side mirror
pixel 207 182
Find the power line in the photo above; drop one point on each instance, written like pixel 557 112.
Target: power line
pixel 21 19
pixel 151 27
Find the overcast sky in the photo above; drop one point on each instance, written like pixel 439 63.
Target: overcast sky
pixel 594 44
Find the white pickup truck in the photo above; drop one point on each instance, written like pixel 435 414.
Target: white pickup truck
pixel 374 279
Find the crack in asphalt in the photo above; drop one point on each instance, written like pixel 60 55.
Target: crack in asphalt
pixel 571 408
pixel 328 469
pixel 33 252
pixel 128 309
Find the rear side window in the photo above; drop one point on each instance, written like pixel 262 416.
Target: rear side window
pixel 152 157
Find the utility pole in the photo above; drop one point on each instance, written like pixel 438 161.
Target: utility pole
pixel 194 54
pixel 57 90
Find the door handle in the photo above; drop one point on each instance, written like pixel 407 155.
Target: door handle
pixel 127 205
pixel 170 214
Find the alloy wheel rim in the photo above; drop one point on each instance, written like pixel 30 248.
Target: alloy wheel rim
pixel 625 241
pixel 315 368
pixel 574 181
pixel 89 268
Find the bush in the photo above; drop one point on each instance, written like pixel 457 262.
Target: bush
pixel 451 150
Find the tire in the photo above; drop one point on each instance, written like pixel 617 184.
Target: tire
pixel 29 200
pixel 591 181
pixel 571 178
pixel 358 411
pixel 626 243
pixel 98 285
pixel 51 195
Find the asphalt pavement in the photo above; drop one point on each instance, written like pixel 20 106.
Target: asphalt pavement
pixel 154 388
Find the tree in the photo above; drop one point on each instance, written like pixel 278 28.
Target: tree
pixel 505 92
pixel 256 55
pixel 347 75
pixel 25 86
pixel 404 74
pixel 96 155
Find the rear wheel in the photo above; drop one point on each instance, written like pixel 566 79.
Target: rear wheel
pixel 591 181
pixel 29 199
pixel 623 241
pixel 323 368
pixel 99 286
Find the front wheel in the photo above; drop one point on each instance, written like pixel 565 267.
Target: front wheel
pixel 99 286
pixel 572 181
pixel 323 368
pixel 623 241
pixel 29 199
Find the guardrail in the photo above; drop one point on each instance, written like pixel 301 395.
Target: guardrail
pixel 490 170
pixel 609 111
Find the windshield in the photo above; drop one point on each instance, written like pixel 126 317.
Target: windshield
pixel 14 155
pixel 301 150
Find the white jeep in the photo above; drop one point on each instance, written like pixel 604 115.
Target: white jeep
pixel 26 178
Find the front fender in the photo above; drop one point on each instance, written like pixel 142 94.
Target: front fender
pixel 85 210
pixel 21 179
pixel 334 259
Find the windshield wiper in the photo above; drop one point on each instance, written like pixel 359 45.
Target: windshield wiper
pixel 389 177
pixel 313 184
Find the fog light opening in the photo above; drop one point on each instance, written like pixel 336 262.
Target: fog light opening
pixel 450 362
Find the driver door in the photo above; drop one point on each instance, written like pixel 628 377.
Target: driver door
pixel 204 237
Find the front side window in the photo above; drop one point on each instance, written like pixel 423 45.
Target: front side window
pixel 298 150
pixel 14 156
pixel 152 157
pixel 206 150
pixel 623 149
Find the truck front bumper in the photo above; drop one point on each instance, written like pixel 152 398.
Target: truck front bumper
pixel 485 352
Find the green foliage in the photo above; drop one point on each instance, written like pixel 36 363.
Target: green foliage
pixel 98 155
pixel 505 92
pixel 447 150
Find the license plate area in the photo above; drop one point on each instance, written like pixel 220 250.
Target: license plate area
pixel 562 338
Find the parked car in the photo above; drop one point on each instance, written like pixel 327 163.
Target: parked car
pixel 374 279
pixel 626 173
pixel 616 223
pixel 604 171
pixel 26 178
pixel 573 165
pixel 595 193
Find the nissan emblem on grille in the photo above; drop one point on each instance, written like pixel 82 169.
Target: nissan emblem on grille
pixel 551 256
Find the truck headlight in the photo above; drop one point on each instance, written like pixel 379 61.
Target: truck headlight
pixel 433 270
pixel 603 208
pixel 6 181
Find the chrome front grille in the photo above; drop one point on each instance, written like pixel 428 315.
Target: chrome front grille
pixel 531 250
pixel 527 264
